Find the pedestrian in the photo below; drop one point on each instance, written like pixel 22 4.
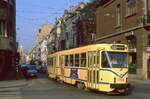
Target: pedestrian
pixel 25 73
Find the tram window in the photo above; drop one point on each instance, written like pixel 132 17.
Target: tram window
pixel 98 58
pixel 94 74
pixel 77 60
pixel 66 61
pixel 71 60
pixel 83 60
pixel 60 60
pixel 90 59
pixel 94 57
pixel 54 61
pixel 50 62
pixel 105 63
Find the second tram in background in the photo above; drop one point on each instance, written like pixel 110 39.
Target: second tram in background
pixel 102 67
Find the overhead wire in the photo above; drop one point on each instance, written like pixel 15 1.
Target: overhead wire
pixel 48 11
pixel 38 12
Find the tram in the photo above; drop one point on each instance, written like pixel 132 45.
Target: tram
pixel 102 67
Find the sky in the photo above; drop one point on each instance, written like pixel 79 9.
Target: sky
pixel 32 14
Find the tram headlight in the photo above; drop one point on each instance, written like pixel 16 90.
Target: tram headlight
pixel 126 80
pixel 115 80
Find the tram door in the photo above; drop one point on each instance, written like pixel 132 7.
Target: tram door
pixel 93 69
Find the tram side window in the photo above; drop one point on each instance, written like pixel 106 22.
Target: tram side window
pixel 90 59
pixel 66 60
pixel 50 62
pixel 94 58
pixel 60 60
pixel 105 63
pixel 71 60
pixel 98 58
pixel 77 60
pixel 83 60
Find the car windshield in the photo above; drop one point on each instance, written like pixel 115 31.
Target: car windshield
pixel 31 67
pixel 114 60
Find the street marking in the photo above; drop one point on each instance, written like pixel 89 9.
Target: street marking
pixel 10 93
pixel 12 97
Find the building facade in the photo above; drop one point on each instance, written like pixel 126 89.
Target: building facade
pixel 41 45
pixel 22 54
pixel 43 32
pixel 68 34
pixel 86 24
pixel 58 24
pixel 7 38
pixel 128 22
pixel 51 41
pixel 78 26
pixel 32 56
pixel 44 51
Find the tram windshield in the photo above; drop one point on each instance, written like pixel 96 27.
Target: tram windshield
pixel 114 60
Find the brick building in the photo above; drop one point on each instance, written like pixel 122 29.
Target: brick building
pixel 7 38
pixel 127 21
pixel 86 25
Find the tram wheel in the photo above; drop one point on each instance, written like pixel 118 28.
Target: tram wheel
pixel 80 85
pixel 60 81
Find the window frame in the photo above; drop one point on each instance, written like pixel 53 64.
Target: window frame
pixel 118 14
pixel 77 60
pixel 130 8
pixel 2 28
pixel 92 59
pixel 71 60
pixel 83 59
pixel 50 62
pixel 66 61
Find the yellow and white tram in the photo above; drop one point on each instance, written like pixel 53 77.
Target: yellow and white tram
pixel 102 67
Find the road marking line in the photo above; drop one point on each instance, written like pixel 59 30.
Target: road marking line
pixel 18 97
pixel 10 93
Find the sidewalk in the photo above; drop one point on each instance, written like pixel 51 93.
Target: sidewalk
pixel 133 80
pixel 15 83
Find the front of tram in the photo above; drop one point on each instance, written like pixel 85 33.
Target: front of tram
pixel 115 68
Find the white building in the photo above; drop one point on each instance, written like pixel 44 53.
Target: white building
pixel 22 54
pixel 44 51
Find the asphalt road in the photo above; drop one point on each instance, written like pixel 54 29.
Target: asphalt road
pixel 43 88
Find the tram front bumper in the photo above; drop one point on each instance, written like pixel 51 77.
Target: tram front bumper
pixel 119 86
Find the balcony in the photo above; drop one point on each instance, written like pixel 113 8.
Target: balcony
pixel 146 20
pixel 6 43
pixel 148 49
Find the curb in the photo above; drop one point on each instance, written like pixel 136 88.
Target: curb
pixel 11 84
pixel 135 81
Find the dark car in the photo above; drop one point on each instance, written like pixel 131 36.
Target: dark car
pixel 42 70
pixel 31 70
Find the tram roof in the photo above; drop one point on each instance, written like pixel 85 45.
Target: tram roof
pixel 93 47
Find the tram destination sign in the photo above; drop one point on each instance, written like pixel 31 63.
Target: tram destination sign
pixel 118 47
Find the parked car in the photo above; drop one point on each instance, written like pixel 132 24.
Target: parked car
pixel 32 71
pixel 42 70
pixel 23 68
